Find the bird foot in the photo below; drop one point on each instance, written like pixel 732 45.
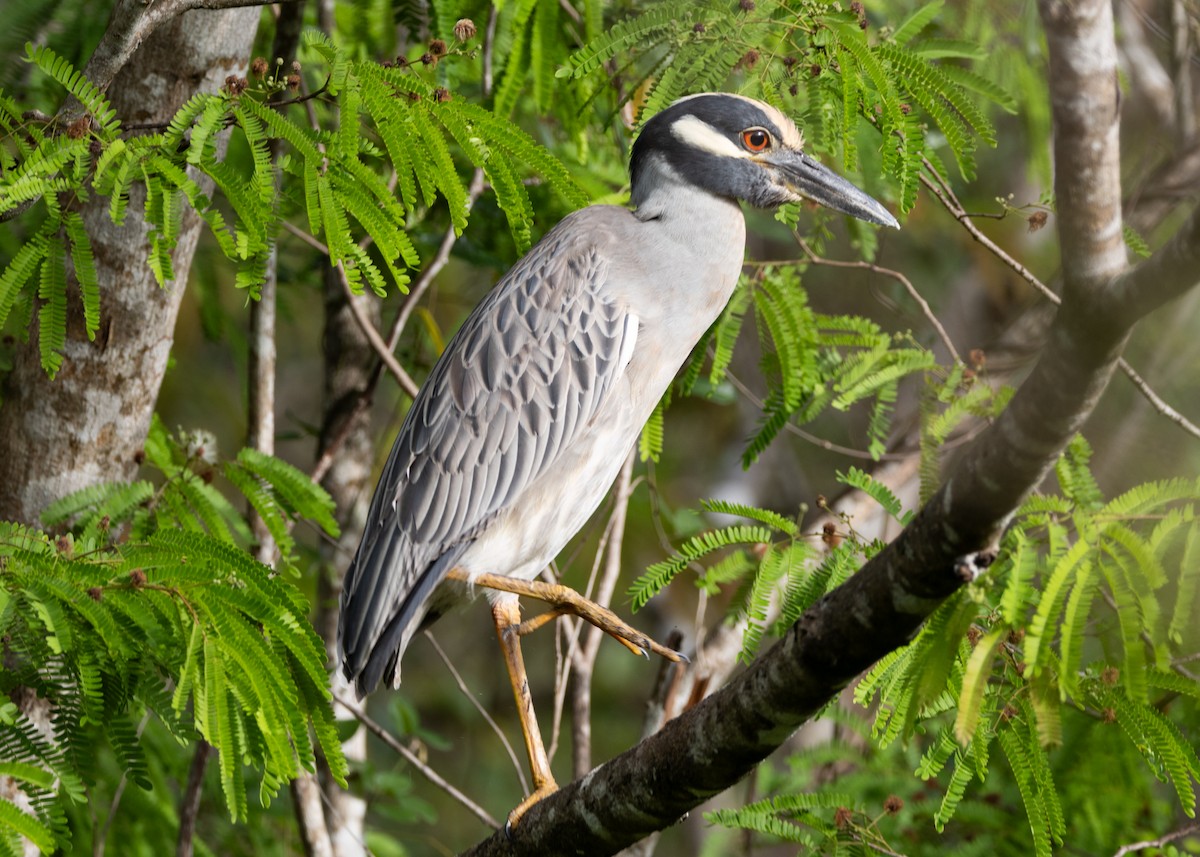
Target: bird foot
pixel 544 790
pixel 566 601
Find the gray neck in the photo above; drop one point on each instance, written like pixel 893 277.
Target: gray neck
pixel 703 222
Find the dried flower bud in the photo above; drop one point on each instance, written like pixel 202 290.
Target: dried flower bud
pixel 259 67
pixel 235 85
pixel 441 95
pixel 905 108
pixel 822 502
pixel 892 804
pixel 978 358
pixel 137 578
pixel 788 62
pixel 79 127
pixel 105 523
pixel 749 59
pixel 974 633
pixel 698 27
pixel 428 59
pixel 793 90
pixel 858 9
pixel 1110 676
pixel 842 817
pixel 814 70
pixel 746 5
pixel 295 66
pixel 437 47
pixel 293 82
pixel 1037 220
pixel 65 546
pixel 1008 713
pixel 830 536
pixel 95 593
pixel 464 29
pixel 1109 715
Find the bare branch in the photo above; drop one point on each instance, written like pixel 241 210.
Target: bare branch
pixel 407 384
pixel 1141 279
pixel 1166 839
pixel 584 664
pixel 926 310
pixel 411 757
pixel 466 691
pixel 189 806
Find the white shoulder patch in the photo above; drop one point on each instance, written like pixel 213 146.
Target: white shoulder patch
pixel 629 339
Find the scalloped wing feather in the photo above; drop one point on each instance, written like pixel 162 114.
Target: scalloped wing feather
pixel 528 371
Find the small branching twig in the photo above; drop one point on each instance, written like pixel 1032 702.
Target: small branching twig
pixel 941 190
pixel 411 757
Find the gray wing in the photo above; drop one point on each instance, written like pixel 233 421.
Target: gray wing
pixel 526 373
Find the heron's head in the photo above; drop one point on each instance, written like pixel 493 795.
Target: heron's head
pixel 739 148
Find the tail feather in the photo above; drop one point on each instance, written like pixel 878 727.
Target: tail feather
pixel 382 606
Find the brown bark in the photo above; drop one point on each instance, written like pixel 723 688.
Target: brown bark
pixel 86 425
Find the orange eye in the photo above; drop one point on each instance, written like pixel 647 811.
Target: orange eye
pixel 756 139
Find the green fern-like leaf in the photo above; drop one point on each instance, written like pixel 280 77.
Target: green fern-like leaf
pixel 637 29
pixel 1162 745
pixel 787 526
pixel 877 491
pixel 52 317
pixel 300 495
pixel 1035 809
pixel 85 271
pixel 661 573
pixel 18 272
pixel 59 68
pixel 911 27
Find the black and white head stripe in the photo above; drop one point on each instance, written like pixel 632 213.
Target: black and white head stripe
pixel 700 138
pixel 740 149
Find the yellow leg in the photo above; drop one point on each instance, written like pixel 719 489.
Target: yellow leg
pixel 565 600
pixel 507 616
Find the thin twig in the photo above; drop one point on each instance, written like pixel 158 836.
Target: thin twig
pixel 98 843
pixel 950 203
pixel 827 445
pixel 926 310
pixel 411 757
pixel 407 384
pixel 581 696
pixel 439 260
pixel 945 195
pixel 462 685
pixel 1156 401
pixel 1165 839
pixel 189 807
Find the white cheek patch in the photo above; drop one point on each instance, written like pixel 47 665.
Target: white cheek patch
pixel 700 135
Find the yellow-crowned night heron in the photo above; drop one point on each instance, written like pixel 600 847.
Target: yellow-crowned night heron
pixel 533 407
